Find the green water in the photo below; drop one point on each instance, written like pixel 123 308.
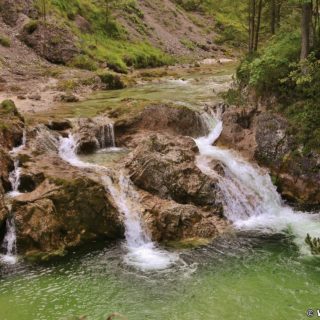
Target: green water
pixel 232 279
pixel 190 90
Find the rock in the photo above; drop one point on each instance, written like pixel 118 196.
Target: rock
pixel 174 120
pixel 165 166
pixel 69 98
pixel 49 40
pixel 22 97
pixel 92 133
pixel 167 220
pixel 59 125
pixel 264 137
pixel 10 10
pixel 34 96
pixel 11 125
pixel 66 210
pixel 83 24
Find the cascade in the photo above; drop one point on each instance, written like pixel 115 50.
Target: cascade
pixel 9 241
pixel 107 136
pixel 142 253
pixel 249 197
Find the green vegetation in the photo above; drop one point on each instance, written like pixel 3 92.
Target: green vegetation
pixel 102 39
pixel 5 41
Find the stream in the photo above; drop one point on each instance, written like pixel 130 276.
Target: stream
pixel 261 271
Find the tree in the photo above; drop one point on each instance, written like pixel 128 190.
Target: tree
pixel 306 20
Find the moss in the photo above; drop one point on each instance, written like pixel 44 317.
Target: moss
pixel 8 107
pixel 5 41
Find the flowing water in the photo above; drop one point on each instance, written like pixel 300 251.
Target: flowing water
pixel 142 253
pixel 262 271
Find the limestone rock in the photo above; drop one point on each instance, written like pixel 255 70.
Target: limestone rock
pixel 167 220
pixel 165 166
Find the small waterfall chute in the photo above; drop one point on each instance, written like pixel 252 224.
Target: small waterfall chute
pixel 142 252
pixel 249 197
pixel 9 243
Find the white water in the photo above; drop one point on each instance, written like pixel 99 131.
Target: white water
pixel 107 136
pixel 10 242
pixel 142 252
pixel 250 199
pixel 10 238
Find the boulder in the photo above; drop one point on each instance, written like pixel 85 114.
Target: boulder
pixel 167 220
pixel 165 166
pixel 49 40
pixel 66 210
pixel 174 120
pixel 92 134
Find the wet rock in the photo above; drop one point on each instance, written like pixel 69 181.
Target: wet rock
pixel 165 166
pixel 167 220
pixel 69 98
pixel 92 134
pixel 11 125
pixel 174 120
pixel 264 137
pixel 59 125
pixel 66 210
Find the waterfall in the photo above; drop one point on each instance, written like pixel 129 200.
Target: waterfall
pixel 249 197
pixel 10 238
pixel 142 253
pixel 14 178
pixel 107 136
pixel 9 243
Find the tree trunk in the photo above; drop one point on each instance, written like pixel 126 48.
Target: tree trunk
pixel 305 29
pixel 273 13
pixel 256 40
pixel 252 19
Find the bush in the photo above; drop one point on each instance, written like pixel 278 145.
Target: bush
pixel 5 41
pixel 112 81
pixel 264 72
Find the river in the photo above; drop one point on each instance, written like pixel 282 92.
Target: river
pixel 246 275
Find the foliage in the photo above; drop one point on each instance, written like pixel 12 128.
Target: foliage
pixel 112 81
pixel 265 71
pixel 5 41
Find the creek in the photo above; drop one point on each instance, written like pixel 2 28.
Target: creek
pixel 261 271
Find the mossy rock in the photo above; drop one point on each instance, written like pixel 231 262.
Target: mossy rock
pixel 112 81
pixel 8 108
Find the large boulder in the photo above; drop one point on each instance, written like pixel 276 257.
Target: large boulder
pixel 55 43
pixel 168 220
pixel 165 166
pixel 174 120
pixel 66 210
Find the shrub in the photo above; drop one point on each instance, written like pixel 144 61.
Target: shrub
pixel 5 41
pixel 112 81
pixel 264 72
